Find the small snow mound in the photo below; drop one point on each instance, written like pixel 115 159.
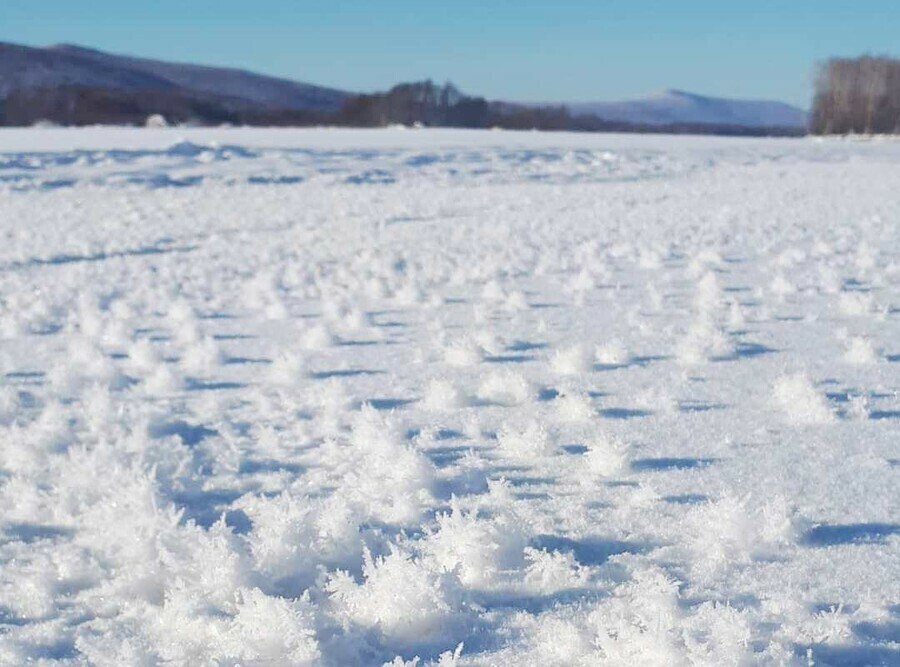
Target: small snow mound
pixel 44 124
pixel 479 549
pixel 572 360
pixel 204 356
pixel 855 304
pixel 143 356
pixel 291 537
pixel 638 625
pixel 317 338
pixel 287 369
pixel 860 351
pixel 270 630
pixel 606 456
pixel 156 120
pixel 163 382
pixel 801 401
pixel 781 287
pixel 731 531
pixel 443 395
pixel 428 611
pixel 525 441
pixel 489 342
pixel 708 294
pixel 505 388
pixel 704 340
pixel 736 319
pixel 574 407
pixel 387 477
pixel 553 571
pixel 612 353
pixel 465 352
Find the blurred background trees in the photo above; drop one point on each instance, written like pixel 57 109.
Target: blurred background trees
pixel 857 95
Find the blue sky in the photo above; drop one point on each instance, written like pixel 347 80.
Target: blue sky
pixel 512 49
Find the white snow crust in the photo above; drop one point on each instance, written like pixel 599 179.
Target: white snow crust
pixel 340 397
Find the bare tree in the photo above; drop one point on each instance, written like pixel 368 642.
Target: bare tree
pixel 857 95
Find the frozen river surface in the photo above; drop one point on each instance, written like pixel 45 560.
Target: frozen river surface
pixel 281 397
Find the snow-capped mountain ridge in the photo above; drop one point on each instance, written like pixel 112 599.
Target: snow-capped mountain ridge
pixel 678 106
pixel 45 81
pixel 24 67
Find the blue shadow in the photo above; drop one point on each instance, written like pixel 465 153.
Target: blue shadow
pixel 851 656
pixel 590 550
pixel 190 434
pixel 274 180
pixel 624 413
pixel 240 361
pixel 746 351
pixel 348 373
pixel 509 359
pixel 827 535
pixel 389 403
pixel 686 499
pixel 670 463
pixel 33 532
pixel 195 384
pixel 525 346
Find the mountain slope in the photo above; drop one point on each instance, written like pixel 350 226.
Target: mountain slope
pixel 69 85
pixel 28 68
pixel 676 106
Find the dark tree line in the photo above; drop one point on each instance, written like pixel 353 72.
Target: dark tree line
pixel 857 95
pixel 420 103
pixel 84 105
pixel 429 104
pixel 426 103
pixel 409 103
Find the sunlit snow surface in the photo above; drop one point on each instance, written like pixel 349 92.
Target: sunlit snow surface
pixel 353 397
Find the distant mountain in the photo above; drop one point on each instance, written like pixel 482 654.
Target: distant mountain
pixel 24 68
pixel 676 107
pixel 73 85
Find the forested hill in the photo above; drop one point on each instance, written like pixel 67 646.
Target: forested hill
pixel 72 85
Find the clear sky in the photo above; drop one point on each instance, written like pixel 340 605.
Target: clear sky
pixel 525 50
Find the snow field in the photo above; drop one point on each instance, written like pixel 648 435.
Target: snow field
pixel 448 398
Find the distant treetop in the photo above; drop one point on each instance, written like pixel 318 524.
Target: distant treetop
pixel 858 96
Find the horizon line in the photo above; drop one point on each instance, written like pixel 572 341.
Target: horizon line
pixel 650 94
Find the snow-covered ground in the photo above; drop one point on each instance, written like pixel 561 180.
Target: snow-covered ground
pixel 353 397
